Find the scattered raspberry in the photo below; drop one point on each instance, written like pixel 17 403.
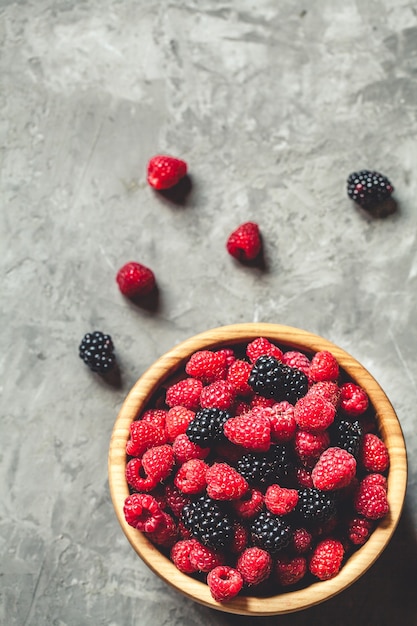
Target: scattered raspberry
pixel 250 504
pixel 328 390
pixel 373 454
pixel 323 367
pixel 185 450
pixel 136 479
pixel 143 435
pixel 375 479
pixel 371 501
pixel 158 462
pixel 204 559
pixel 290 570
pixel 309 446
pixel 301 539
pixel 280 500
pixel 359 530
pixel 225 483
pixel 240 538
pixel 208 366
pixel 245 242
pixel 334 469
pixel 282 422
pixel 185 393
pixel 165 171
pixel 176 499
pixel 177 420
pixel 156 417
pixel 260 346
pixel 255 565
pixel 238 375
pixel 224 582
pixel 252 432
pixel 166 534
pixel 135 279
pixel 297 359
pixel 353 399
pixel 180 555
pixel 314 413
pixel 217 395
pixel 326 559
pixel 142 511
pixel 191 476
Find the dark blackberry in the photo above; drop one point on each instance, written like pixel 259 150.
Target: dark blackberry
pixel 96 350
pixel 315 506
pixel 294 384
pixel 346 434
pixel 262 469
pixel 206 427
pixel 270 532
pixel 208 522
pixel 266 377
pixel 368 189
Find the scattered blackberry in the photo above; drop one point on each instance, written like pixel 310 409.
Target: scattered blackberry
pixel 207 426
pixel 208 522
pixel 270 532
pixel 271 378
pixel 262 469
pixel 368 189
pixel 315 506
pixel 96 350
pixel 346 434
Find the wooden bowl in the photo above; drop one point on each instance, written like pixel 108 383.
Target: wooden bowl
pixel 290 338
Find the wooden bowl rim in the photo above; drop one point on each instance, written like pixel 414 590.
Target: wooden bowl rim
pixel 291 338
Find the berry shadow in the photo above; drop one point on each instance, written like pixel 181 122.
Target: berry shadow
pixel 179 194
pixel 260 262
pixel 113 378
pixel 151 302
pixel 381 211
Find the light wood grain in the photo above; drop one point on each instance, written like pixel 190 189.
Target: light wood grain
pixel 288 337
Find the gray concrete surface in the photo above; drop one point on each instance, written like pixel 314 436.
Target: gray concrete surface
pixel 272 104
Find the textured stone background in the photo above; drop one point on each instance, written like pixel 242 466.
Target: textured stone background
pixel 272 104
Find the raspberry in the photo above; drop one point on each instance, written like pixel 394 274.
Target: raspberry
pixel 334 469
pixel 309 446
pixel 359 530
pixel 229 355
pixel 290 570
pixel 371 501
pixel 165 171
pixel 142 511
pixel 280 500
pixel 166 534
pixel 301 540
pixel 207 366
pixel 375 479
pixel 260 347
pixel 225 483
pixel 353 399
pixel 177 420
pixel 323 367
pixel 296 359
pixel 241 407
pixel 373 453
pixel 217 395
pixel 265 469
pixel 185 450
pixel 326 559
pixel 346 434
pixel 313 413
pixel 158 462
pixel 224 582
pixel 208 522
pixel 260 401
pixel 135 279
pixel 206 428
pixel 250 504
pixel 282 422
pixel 191 476
pixel 245 242
pixel 368 188
pixel 180 555
pixel 238 375
pixel 315 506
pixel 97 351
pixel 250 431
pixel 327 389
pixel 134 476
pixel 205 559
pixel 175 499
pixel 255 565
pixel 143 435
pixel 240 538
pixel 270 532
pixel 185 393
pixel 157 417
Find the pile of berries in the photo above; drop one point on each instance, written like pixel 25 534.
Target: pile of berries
pixel 260 470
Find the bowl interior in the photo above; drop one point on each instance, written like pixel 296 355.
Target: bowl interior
pixel 288 337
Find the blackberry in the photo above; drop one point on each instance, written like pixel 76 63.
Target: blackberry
pixel 96 350
pixel 294 382
pixel 315 506
pixel 270 532
pixel 206 427
pixel 262 469
pixel 271 378
pixel 208 522
pixel 368 189
pixel 346 434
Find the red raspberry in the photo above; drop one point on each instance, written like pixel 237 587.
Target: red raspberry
pixel 240 538
pixel 185 450
pixel 166 534
pixel 290 570
pixel 334 469
pixel 229 354
pixel 224 582
pixel 176 499
pixel 250 504
pixel 323 366
pixel 208 366
pixel 191 477
pixel 158 462
pixel 359 530
pixel 327 389
pixel 255 565
pixel 260 346
pixel 135 280
pixel 375 479
pixel 238 375
pixel 301 540
pixel 353 399
pixel 303 475
pixel 371 501
pixel 250 431
pixel 205 559
pixel 280 500
pixel 309 446
pixel 373 453
pixel 143 512
pixel 143 435
pixel 326 559
pixel 241 407
pixel 156 417
pixel 185 393
pixel 296 359
pixel 225 483
pixel 180 555
pixel 245 242
pixel 165 171
pixel 217 395
pixel 313 413
pixel 260 401
pixel 282 421
pixel 134 476
pixel 177 420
